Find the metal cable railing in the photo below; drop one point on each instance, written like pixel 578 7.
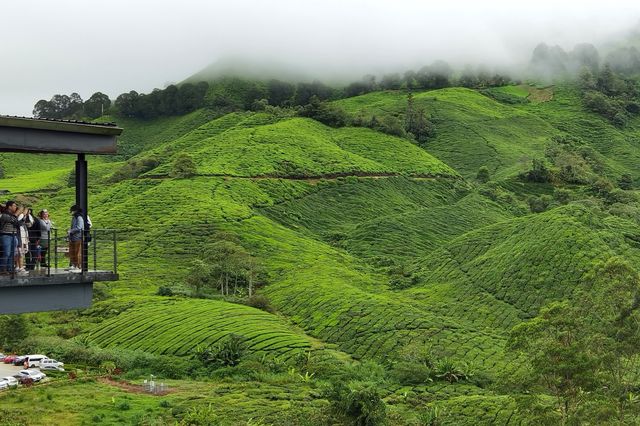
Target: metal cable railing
pixel 94 252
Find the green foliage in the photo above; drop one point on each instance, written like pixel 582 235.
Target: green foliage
pixel 79 353
pixel 625 182
pixel 59 107
pixel 539 204
pixel 334 215
pixel 97 105
pixel 432 416
pixel 227 353
pixel 200 416
pixel 134 168
pixel 359 402
pixel 325 113
pixel 577 349
pixel 176 327
pixel 483 175
pixel 416 122
pixel 172 100
pixel 164 291
pixel 183 166
pixel 260 301
pixel 13 329
pixel 538 173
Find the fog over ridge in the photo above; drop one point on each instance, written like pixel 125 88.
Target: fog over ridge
pixel 72 46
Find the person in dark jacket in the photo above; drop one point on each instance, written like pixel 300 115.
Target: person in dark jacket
pixel 9 224
pixel 33 228
pixel 75 235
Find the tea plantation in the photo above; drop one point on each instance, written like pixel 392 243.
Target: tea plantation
pixel 381 268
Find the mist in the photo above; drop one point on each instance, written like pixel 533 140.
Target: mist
pixel 72 46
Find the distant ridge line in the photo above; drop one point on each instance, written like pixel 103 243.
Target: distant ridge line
pixel 318 177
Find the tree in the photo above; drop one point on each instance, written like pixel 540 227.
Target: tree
pixel 391 81
pixel 325 113
pixel 200 277
pixel 483 174
pixel 435 76
pixel 585 55
pixel 43 109
pixel 416 122
pixel 557 349
pixel 13 329
pixel 539 172
pixel 189 97
pixel 588 351
pixel 169 103
pixel 96 105
pixel 625 181
pixel 607 82
pixel 306 91
pixel 468 78
pixel 280 93
pixel 127 103
pixel 183 166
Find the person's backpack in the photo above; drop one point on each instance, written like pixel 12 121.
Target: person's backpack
pixel 87 228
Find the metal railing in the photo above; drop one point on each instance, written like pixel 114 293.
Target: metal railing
pixel 96 251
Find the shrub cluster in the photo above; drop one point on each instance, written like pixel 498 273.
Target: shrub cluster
pixel 85 354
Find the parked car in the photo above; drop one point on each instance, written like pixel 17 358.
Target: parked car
pixel 11 381
pixel 9 359
pixel 34 360
pixel 22 379
pixel 51 364
pixel 19 360
pixel 3 385
pixel 2 356
pixel 34 375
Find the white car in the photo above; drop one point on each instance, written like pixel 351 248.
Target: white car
pixel 11 381
pixel 34 360
pixel 34 375
pixel 51 364
pixel 3 385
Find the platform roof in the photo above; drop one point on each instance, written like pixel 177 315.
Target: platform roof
pixel 21 134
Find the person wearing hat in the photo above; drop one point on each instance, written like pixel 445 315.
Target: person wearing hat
pixel 45 236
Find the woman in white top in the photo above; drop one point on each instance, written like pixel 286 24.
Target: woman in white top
pixel 22 245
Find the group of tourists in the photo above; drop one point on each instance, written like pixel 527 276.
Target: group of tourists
pixel 25 239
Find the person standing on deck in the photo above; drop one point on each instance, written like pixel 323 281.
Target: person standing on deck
pixel 9 224
pixel 45 236
pixel 75 239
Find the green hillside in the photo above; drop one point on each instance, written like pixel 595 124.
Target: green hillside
pixel 473 130
pixel 379 262
pixel 175 327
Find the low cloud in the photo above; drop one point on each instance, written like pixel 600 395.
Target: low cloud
pixel 73 46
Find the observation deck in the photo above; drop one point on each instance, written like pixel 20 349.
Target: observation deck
pixel 54 287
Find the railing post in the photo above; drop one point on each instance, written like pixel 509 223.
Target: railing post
pixel 95 250
pixel 55 256
pixel 13 255
pixel 48 252
pixel 115 253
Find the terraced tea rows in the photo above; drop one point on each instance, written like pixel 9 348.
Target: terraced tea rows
pixel 177 327
pixel 369 325
pixel 529 261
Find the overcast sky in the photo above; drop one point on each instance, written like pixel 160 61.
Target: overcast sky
pixel 62 46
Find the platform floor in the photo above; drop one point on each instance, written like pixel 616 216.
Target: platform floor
pixel 56 276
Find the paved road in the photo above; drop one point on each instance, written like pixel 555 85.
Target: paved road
pixel 8 370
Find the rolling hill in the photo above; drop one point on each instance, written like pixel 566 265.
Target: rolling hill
pixel 370 244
